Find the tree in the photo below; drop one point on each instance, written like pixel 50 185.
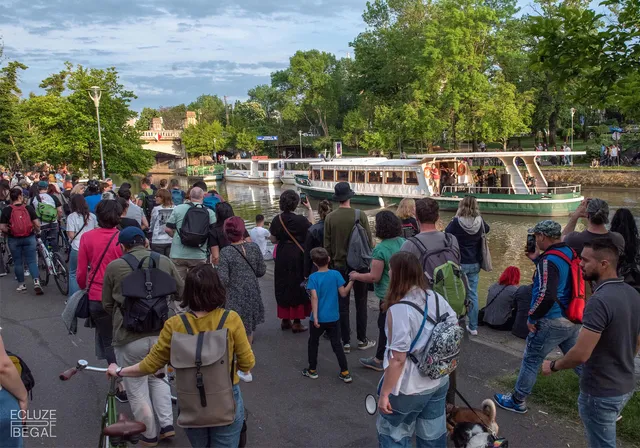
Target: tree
pixel 250 113
pixel 208 108
pixel 146 118
pixel 354 127
pixel 205 138
pixel 10 128
pixel 509 114
pixel 173 117
pixel 268 97
pixel 247 141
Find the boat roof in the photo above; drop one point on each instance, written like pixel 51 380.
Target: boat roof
pixel 371 161
pixel 252 160
pixel 302 160
pixel 470 155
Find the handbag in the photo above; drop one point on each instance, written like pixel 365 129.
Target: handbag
pixel 82 311
pixel 486 264
pixel 245 259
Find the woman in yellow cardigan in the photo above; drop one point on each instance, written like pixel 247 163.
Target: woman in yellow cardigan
pixel 205 297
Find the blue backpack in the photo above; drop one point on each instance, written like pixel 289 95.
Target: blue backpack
pixel 210 201
pixel 177 196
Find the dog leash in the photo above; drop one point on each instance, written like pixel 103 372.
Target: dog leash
pixel 475 413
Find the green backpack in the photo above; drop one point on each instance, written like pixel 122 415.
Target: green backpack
pixel 46 212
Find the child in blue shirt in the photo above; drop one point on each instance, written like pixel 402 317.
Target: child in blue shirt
pixel 324 287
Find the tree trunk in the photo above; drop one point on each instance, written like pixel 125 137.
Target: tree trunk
pixel 553 126
pixel 474 144
pixel 16 150
pixel 454 136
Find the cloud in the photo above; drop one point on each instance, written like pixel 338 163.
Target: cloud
pixel 170 52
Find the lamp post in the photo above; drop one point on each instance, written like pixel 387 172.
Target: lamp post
pixel 300 134
pixel 95 93
pixel 573 112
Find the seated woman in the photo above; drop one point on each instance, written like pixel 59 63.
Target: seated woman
pixel 499 311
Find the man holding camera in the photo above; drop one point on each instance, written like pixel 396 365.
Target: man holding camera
pixel 548 327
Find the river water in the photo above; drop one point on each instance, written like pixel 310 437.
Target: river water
pixel 507 237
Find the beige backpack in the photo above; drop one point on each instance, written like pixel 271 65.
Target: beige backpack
pixel 203 384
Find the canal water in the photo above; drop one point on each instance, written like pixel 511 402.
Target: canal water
pixel 507 237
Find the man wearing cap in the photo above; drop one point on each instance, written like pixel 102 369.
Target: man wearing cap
pixel 548 328
pixel 92 194
pixel 337 230
pixel 49 228
pixel 148 396
pixel 597 213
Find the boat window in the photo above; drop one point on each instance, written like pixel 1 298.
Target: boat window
pixel 315 175
pixel 375 177
pixel 236 166
pixel 327 175
pixel 393 177
pixel 343 176
pixel 357 177
pixel 289 166
pixel 263 167
pixel 410 178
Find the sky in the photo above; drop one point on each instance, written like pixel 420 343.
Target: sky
pixel 171 51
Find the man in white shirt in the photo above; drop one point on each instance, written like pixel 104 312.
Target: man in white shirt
pixel 615 151
pixel 260 235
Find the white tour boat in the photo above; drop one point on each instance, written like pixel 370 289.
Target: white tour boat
pixel 256 170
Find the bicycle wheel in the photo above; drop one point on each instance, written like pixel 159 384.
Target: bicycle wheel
pixel 61 275
pixel 43 272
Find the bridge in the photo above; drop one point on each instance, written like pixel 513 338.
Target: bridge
pixel 171 155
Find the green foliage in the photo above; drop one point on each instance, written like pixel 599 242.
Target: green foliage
pixel 247 141
pixel 173 117
pixel 205 138
pixel 146 117
pixel 208 108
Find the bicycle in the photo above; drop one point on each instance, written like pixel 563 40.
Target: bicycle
pixel 115 431
pixel 5 253
pixel 51 263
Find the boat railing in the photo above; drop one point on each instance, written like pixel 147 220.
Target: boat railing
pixel 472 189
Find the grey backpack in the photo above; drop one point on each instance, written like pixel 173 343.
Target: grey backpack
pixel 359 250
pixel 440 356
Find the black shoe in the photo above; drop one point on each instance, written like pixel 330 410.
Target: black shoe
pixel 167 432
pixel 148 442
pixel 121 396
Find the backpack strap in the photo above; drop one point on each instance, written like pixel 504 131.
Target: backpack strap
pixel 199 379
pixel 223 319
pixel 419 244
pixel 131 260
pixel 560 254
pixel 155 257
pixel 186 323
pixel 357 217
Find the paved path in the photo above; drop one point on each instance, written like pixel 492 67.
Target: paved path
pixel 285 409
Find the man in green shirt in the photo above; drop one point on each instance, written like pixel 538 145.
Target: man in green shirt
pixel 337 230
pixel 146 197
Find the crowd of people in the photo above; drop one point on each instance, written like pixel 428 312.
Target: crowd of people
pixel 207 265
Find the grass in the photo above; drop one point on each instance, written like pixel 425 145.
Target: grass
pixel 559 394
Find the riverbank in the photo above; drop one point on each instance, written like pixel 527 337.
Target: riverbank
pixel 597 177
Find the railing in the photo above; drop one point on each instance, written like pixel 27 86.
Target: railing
pixel 470 189
pixel 171 134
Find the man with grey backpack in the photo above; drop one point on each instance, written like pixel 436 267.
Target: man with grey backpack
pixel 348 240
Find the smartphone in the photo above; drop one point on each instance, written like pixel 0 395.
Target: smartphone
pixel 303 198
pixel 531 243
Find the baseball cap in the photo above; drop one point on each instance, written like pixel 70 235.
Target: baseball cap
pixel 548 228
pixel 129 235
pixel 43 184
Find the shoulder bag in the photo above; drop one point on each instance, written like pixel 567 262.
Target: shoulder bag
pixel 82 311
pixel 245 259
pixel 69 249
pixel 486 264
pixel 289 233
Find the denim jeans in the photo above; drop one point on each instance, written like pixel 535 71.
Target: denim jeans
pixel 49 235
pixel 422 414
pixel 23 250
pixel 473 275
pixel 550 333
pixel 73 269
pixel 599 416
pixel 9 421
pixel 220 436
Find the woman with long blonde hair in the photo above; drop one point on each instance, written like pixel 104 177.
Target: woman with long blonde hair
pixel 468 226
pixel 407 213
pixel 409 401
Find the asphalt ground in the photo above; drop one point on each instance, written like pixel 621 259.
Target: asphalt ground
pixel 284 409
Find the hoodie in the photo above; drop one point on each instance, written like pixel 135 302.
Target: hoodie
pixel 468 232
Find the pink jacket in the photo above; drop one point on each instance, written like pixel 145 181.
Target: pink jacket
pixel 92 245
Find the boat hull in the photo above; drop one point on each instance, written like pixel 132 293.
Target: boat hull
pixel 252 180
pixel 523 205
pixel 214 178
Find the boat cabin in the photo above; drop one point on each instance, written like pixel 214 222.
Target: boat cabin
pixel 253 170
pixel 295 167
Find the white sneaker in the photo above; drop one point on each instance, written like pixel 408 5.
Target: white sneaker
pixel 21 288
pixel 472 332
pixel 3 273
pixel 246 377
pixel 37 288
pixel 27 273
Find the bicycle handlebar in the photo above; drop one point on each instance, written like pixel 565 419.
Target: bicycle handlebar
pixel 82 365
pixel 67 374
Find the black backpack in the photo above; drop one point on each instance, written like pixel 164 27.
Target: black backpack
pixel 195 226
pixel 148 204
pixel 25 373
pixel 146 292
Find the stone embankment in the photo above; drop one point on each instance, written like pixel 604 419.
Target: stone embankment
pixel 594 177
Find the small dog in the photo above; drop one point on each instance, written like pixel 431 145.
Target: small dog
pixel 475 428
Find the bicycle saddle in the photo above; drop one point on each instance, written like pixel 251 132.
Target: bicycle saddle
pixel 124 428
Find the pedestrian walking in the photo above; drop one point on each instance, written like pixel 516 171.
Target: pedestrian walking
pixel 205 296
pixel 407 213
pixel 388 230
pixel 49 210
pixel 146 199
pixel 596 211
pixel 548 327
pixel 177 194
pixel 624 223
pixel 315 237
pixel 324 286
pixel 124 221
pixel 218 239
pixel 20 223
pixel 241 265
pixel 14 398
pixel 160 241
pixel 289 231
pixel 411 403
pixel 92 194
pixel 607 345
pixel 79 222
pixel 468 227
pixel 149 396
pixel 191 217
pixel 98 248
pixel 337 232
pixel 133 211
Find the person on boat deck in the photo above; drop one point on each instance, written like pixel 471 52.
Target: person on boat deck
pixel 435 175
pixel 480 175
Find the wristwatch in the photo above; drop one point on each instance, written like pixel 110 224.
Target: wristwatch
pixel 119 369
pixel 552 366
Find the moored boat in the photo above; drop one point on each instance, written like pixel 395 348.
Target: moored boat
pixel 258 170
pixel 384 182
pixel 295 167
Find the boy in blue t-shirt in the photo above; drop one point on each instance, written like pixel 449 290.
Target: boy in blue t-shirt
pixel 324 287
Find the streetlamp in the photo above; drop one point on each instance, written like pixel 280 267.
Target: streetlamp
pixel 573 112
pixel 300 134
pixel 95 93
